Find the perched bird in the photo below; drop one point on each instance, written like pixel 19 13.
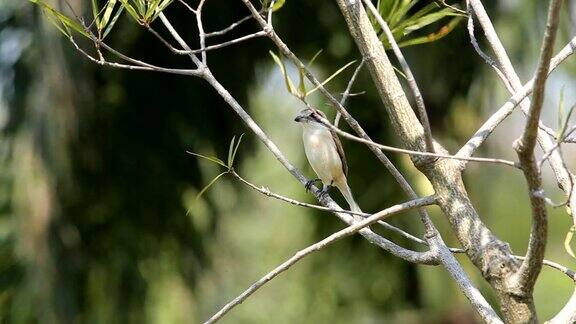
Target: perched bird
pixel 325 154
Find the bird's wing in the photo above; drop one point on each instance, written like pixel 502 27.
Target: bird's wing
pixel 340 151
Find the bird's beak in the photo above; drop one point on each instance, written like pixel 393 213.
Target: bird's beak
pixel 298 119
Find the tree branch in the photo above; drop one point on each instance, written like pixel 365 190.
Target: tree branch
pixel 564 177
pixel 317 247
pixel 414 153
pixel 488 253
pixel 432 235
pixel 490 125
pixel 409 77
pixel 531 266
pixel 346 93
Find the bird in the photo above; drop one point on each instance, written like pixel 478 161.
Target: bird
pixel 325 154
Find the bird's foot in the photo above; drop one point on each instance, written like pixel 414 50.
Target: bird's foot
pixel 324 191
pixel 309 184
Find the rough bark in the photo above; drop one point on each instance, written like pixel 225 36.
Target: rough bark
pixel 489 254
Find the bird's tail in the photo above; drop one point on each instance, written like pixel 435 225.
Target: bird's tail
pixel 345 190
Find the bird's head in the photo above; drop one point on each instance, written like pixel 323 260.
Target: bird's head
pixel 309 116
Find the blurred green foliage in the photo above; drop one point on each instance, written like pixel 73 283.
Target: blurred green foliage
pixel 99 220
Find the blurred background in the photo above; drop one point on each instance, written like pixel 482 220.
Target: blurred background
pixel 99 216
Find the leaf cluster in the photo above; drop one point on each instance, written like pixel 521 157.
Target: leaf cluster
pixel 404 23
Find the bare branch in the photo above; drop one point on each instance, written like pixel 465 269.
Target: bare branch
pixel 229 28
pixel 412 256
pixel 188 6
pixel 531 266
pixel 545 137
pixel 432 235
pixel 137 64
pixel 412 153
pixel 207 48
pixel 267 192
pixel 317 247
pixel 201 34
pixel 409 77
pixel 347 93
pixel 180 40
pixel 481 53
pixel 490 125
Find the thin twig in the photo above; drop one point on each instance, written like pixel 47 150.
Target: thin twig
pixel 532 264
pixel 481 53
pixel 207 48
pixel 409 77
pixel 188 6
pixel 417 153
pixel 495 119
pixel 347 93
pixel 565 270
pixel 267 192
pixel 229 28
pixel 137 64
pixel 546 135
pixel 443 3
pixel 317 247
pixel 201 34
pixel 451 264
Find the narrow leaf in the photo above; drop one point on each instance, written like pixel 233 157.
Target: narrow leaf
pixel 287 80
pixel 560 110
pixel 330 77
pixel 314 58
pixel 230 150
pixel 66 21
pixel 562 132
pixel 130 10
pixel 441 33
pixel 567 241
pixel 236 149
pixel 210 184
pixel 108 13
pixel 95 12
pixel 113 21
pixel 278 4
pixel 209 158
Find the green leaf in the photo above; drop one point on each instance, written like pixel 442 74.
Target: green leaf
pixel 160 8
pixel 330 77
pixel 287 80
pixel 209 158
pixel 562 132
pixel 113 21
pixel 235 150
pixel 107 13
pixel 141 7
pixel 130 10
pixel 428 20
pixel 95 12
pixel 401 11
pixel 314 58
pixel 402 23
pixel 230 150
pixel 210 184
pixel 567 241
pixel 441 33
pixel 278 4
pixel 66 22
pixel 301 83
pixel 152 6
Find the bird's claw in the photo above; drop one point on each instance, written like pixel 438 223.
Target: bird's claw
pixel 309 184
pixel 324 191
